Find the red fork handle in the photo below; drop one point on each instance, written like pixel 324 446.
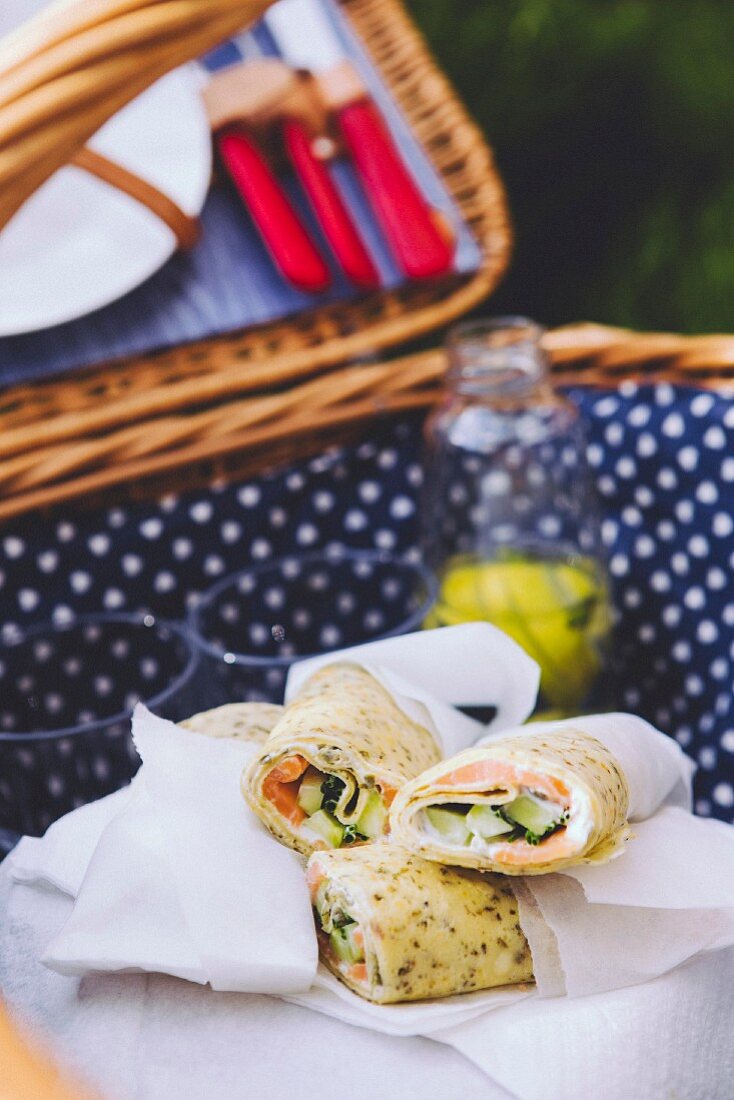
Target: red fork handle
pixel 408 222
pixel 329 207
pixel 293 252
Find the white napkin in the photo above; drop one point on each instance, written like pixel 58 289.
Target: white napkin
pixel 184 880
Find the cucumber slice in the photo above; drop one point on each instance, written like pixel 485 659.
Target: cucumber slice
pixel 533 814
pixel 344 941
pixel 486 822
pixel 322 826
pixel 371 822
pixel 309 793
pixel 450 825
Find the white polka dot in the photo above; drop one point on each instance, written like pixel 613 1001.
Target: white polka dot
pixel 330 636
pixel 182 548
pixel 666 478
pixel 707 493
pixel 13 546
pixel 65 531
pixel 727 740
pixel 48 561
pixel 295 482
pixel 646 445
pixel 628 388
pixel 231 531
pixel 631 516
pixel 716 578
pixel 614 434
pixel 169 502
pixel 99 544
pixel 62 614
pixel 414 475
pixel 619 565
pixel 672 615
pixel 631 697
pixel 606 407
pixel 664 394
pixel 369 491
pixel 132 564
pixel 28 599
pixel 116 517
pixel 213 565
pixel 638 416
pixel 660 581
pixel 698 546
pixel 385 539
pixel 249 496
pixel 724 794
pixel 679 564
pixel 113 598
pixel 688 458
pixel 355 520
pixel 595 455
pixel 632 597
pixel 550 526
pixel 609 531
pixel 202 511
pixel 644 546
pixel 702 404
pixel 681 651
pixel 722 525
pixel 626 467
pixel 387 459
pixel 666 530
pixel 80 581
pixel 606 485
pixel 707 755
pixel 673 426
pixel 714 438
pixel 646 633
pixel 728 614
pixel 402 507
pixel 707 632
pixel 684 510
pixel 164 581
pixel 727 469
pixel 694 685
pixel 261 548
pixel 728 418
pixel 151 528
pixel 644 496
pixel 695 598
pixel 277 517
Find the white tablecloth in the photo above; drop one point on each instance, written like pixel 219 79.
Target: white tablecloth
pixel 150 1037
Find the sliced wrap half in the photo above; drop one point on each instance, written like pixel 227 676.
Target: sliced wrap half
pixel 525 804
pixel 242 721
pixel 394 927
pixel 333 762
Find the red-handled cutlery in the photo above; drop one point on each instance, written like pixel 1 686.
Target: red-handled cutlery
pixel 306 39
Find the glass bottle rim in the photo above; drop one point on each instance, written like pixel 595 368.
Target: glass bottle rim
pixel 471 348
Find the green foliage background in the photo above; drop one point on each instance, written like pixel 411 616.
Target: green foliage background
pixel 613 125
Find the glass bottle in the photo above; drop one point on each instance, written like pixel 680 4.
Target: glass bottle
pixel 509 521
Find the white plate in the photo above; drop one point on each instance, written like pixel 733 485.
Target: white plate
pixel 77 243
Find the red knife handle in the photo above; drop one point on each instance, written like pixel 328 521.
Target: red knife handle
pixel 420 248
pixel 329 207
pixel 293 252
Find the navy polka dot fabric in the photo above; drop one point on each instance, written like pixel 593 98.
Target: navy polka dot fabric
pixel 664 466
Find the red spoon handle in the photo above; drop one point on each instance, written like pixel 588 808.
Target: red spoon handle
pixel 407 220
pixel 293 252
pixel 329 207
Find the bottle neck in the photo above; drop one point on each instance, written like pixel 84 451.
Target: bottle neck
pixel 497 359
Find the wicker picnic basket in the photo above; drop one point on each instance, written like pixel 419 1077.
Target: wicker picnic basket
pixel 252 398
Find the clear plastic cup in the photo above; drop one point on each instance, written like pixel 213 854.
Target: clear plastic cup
pixel 66 696
pixel 251 626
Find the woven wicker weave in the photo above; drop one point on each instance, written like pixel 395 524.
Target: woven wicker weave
pixel 105 447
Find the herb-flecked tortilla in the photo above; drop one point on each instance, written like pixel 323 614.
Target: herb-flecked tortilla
pixel 525 804
pixel 242 721
pixel 395 927
pixel 333 762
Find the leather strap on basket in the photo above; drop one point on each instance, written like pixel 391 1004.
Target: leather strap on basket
pixel 185 228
